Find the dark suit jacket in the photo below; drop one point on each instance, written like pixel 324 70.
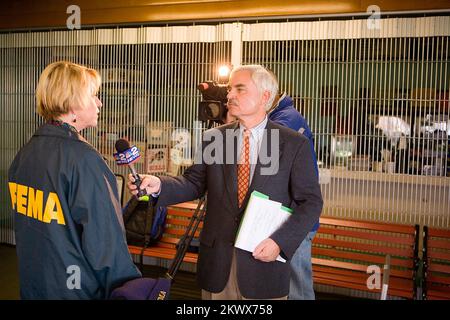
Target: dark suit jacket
pixel 294 184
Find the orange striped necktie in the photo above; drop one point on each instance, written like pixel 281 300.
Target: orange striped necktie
pixel 244 167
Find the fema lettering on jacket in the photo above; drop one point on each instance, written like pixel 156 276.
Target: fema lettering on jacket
pixel 36 204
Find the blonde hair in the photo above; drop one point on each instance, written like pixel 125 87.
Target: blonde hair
pixel 264 80
pixel 64 86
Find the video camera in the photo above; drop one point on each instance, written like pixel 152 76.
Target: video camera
pixel 213 108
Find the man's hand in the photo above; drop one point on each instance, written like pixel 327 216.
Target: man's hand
pixel 267 251
pixel 150 183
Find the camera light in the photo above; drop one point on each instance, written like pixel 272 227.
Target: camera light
pixel 224 71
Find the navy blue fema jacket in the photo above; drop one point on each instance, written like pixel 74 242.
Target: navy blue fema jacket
pixel 68 224
pixel 286 115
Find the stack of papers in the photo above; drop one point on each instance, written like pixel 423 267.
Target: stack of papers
pixel 261 219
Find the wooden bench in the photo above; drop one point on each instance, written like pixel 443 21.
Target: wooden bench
pixel 177 221
pixel 436 257
pixel 343 250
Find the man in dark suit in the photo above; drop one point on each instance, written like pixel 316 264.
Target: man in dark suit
pixel 236 159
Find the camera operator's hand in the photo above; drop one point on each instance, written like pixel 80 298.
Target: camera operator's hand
pixel 151 184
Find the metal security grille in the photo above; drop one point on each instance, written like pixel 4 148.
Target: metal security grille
pixel 376 100
pixel 377 103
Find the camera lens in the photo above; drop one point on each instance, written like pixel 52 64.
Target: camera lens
pixel 213 110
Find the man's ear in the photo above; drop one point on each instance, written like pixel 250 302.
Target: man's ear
pixel 265 97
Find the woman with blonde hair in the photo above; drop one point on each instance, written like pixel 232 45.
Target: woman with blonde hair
pixel 68 223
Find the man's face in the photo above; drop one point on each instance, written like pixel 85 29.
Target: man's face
pixel 244 99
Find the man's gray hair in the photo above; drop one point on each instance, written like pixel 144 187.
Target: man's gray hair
pixel 263 79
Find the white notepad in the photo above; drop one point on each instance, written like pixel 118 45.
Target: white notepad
pixel 261 219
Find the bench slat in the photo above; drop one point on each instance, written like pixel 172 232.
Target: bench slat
pixel 369 236
pixel 333 253
pixel 439 268
pixel 401 252
pixel 368 225
pixel 179 232
pixel 441 244
pixel 356 267
pixel 179 213
pixel 401 282
pixel 439 255
pixel 393 292
pixel 439 233
pixel 179 222
pixel 438 292
pixel 361 278
pixel 184 205
pixel 438 279
pixel 437 295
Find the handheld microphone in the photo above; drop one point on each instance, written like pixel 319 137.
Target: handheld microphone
pixel 126 155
